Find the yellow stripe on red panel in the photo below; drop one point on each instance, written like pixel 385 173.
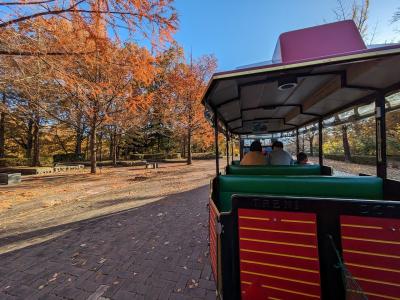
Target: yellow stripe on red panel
pixel 377 281
pixel 277 231
pixel 279 254
pixel 376 295
pixel 290 291
pixel 279 243
pixel 371 253
pixel 280 278
pixel 253 218
pixel 370 240
pixel 371 267
pixel 277 266
pixel 298 221
pixel 361 226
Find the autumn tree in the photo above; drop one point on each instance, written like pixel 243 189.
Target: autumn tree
pixel 99 77
pixel 359 13
pixel 153 19
pixel 160 123
pixel 190 82
pixel 26 84
pixel 68 78
pixel 106 84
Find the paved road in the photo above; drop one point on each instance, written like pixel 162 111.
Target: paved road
pixel 157 251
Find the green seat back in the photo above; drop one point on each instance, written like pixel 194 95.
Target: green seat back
pixel 236 162
pixel 354 187
pixel 274 170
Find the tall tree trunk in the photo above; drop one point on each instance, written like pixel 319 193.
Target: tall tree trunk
pixel 87 147
pixel 36 144
pixel 62 144
pixel 189 146
pixel 2 129
pixel 29 139
pixel 111 149
pixel 78 141
pixel 183 147
pixel 126 150
pixel 101 146
pixel 93 148
pixel 302 143
pixel 114 150
pixel 114 156
pixel 346 145
pixel 312 145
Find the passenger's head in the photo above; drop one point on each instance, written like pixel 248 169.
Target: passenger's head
pixel 302 158
pixel 277 145
pixel 256 146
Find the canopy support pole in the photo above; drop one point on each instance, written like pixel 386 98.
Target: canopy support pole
pixel 216 142
pixel 297 141
pixel 227 148
pixel 320 143
pixel 232 146
pixel 380 121
pixel 241 145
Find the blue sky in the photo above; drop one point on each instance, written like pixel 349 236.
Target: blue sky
pixel 244 32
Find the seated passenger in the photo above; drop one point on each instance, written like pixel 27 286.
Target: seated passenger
pixel 255 156
pixel 302 158
pixel 278 156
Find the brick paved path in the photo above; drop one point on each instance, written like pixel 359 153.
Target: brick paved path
pixel 157 251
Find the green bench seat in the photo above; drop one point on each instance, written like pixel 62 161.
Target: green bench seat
pixel 354 187
pixel 274 170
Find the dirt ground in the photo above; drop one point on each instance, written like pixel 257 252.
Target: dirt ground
pixel 42 201
pixel 354 169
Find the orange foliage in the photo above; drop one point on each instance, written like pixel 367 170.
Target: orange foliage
pixel 67 63
pixel 189 82
pixel 155 19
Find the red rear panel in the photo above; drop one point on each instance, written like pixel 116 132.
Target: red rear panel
pixel 213 239
pixel 278 255
pixel 371 251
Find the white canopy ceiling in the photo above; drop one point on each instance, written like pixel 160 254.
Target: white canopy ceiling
pixel 249 101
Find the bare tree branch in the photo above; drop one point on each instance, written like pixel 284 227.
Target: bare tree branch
pixel 26 53
pixel 25 3
pixel 40 14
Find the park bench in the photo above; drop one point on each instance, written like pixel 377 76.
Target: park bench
pixel 151 165
pixel 10 178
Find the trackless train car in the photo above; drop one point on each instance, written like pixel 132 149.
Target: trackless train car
pixel 298 232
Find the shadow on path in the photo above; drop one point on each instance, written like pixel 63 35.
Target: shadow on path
pixel 156 251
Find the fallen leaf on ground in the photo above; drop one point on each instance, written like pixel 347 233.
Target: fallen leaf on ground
pixel 102 260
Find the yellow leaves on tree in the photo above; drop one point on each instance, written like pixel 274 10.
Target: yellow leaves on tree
pixel 189 82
